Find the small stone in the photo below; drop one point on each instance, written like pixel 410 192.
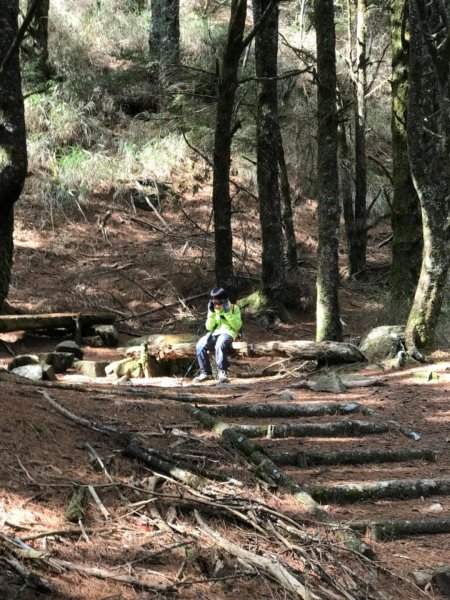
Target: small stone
pixel 70 346
pixel 108 334
pixel 60 361
pixel 33 372
pixel 286 395
pixel 91 368
pixel 48 372
pixel 22 360
pixel 329 383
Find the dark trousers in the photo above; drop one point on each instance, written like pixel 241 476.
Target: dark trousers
pixel 220 344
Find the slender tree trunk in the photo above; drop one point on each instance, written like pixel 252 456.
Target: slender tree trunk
pixel 328 314
pixel 286 205
pixel 39 33
pixel 428 130
pixel 164 37
pixel 267 146
pixel 406 219
pixel 13 152
pixel 358 240
pixel 226 93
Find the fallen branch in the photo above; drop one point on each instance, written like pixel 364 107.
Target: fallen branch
pixel 106 574
pixel 272 567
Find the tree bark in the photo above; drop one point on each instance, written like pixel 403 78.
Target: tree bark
pixel 406 219
pixel 13 151
pixel 428 131
pixel 267 146
pixel 226 92
pixel 328 314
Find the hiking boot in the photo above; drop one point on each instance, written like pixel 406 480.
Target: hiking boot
pixel 223 377
pixel 204 376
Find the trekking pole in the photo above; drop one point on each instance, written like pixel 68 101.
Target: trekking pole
pixel 198 354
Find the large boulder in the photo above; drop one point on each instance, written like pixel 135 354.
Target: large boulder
pixel 383 342
pixel 70 346
pixel 33 372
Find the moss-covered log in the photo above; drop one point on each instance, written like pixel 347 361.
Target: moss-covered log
pixel 343 428
pixel 400 488
pixel 267 411
pixel 350 457
pixel 400 528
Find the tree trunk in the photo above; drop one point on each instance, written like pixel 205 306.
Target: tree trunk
pixel 226 92
pixel 400 528
pixel 267 145
pixel 322 430
pixel 286 203
pixel 428 131
pixel 39 33
pixel 406 220
pixel 358 241
pixel 13 151
pixel 328 315
pixel 164 37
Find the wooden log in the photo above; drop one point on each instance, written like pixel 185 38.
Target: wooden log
pixel 267 467
pixel 53 321
pixel 350 457
pixel 266 411
pixel 394 529
pixel 397 488
pixel 340 429
pixel 323 352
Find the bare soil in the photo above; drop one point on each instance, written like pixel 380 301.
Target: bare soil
pixel 135 265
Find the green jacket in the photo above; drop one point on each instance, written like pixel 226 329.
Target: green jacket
pixel 219 321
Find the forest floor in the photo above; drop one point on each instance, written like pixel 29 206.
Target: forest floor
pixel 115 257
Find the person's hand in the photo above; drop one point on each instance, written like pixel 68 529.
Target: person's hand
pixel 226 306
pixel 211 306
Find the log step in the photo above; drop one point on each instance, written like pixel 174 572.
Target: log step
pixel 340 429
pixel 400 528
pixel 350 457
pixel 397 488
pixel 282 410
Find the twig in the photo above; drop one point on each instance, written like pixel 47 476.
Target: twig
pixel 106 574
pixel 98 502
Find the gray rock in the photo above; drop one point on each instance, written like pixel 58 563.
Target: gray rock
pixel 70 346
pixel 60 361
pixel 48 372
pixel 286 395
pixel 108 334
pixel 383 342
pixel 331 382
pixel 94 341
pixel 91 368
pixel 23 360
pixel 33 372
